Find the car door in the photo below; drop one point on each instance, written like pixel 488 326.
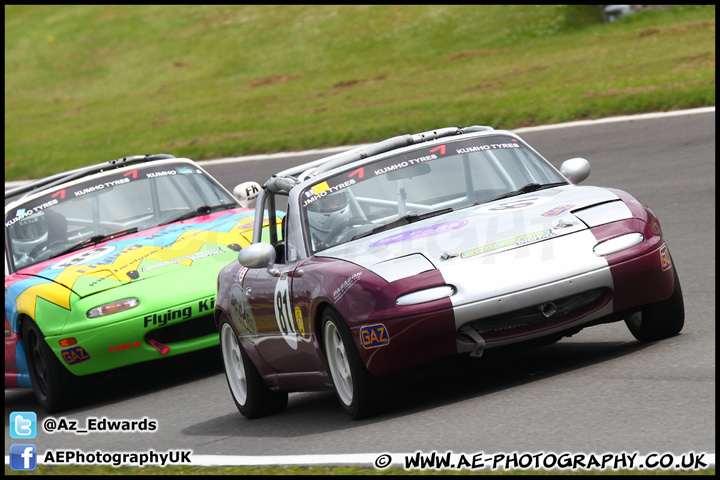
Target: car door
pixel 283 339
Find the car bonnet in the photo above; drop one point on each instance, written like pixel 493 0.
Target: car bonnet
pixel 481 232
pixel 204 242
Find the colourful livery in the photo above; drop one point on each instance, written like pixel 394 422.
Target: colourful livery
pixel 113 265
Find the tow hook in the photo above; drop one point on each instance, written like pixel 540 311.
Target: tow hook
pixel 163 349
pixel 479 341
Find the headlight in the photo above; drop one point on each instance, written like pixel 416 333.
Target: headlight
pixel 427 295
pixel 618 244
pixel 113 307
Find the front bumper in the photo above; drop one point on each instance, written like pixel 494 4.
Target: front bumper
pixel 538 311
pixel 138 339
pixel 438 329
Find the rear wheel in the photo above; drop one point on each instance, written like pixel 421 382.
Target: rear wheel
pixel 660 319
pixel 55 387
pixel 357 389
pixel 251 396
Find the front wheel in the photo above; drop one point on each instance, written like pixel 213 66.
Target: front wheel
pixel 357 389
pixel 251 396
pixel 660 319
pixel 54 386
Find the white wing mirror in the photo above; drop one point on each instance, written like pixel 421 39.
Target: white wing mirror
pixel 257 255
pixel 246 193
pixel 576 170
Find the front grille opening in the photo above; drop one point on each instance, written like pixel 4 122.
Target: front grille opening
pixel 552 312
pixel 183 331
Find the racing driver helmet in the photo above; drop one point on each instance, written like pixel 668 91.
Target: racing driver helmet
pixel 328 213
pixel 28 233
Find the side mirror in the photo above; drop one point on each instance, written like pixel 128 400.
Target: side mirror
pixel 257 255
pixel 576 170
pixel 246 193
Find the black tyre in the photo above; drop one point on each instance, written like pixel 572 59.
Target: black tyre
pixel 55 387
pixel 660 319
pixel 359 392
pixel 251 396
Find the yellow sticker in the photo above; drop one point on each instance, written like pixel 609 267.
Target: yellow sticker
pixel 298 318
pixel 320 187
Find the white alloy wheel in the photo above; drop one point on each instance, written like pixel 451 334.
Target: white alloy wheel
pixel 338 361
pixel 234 365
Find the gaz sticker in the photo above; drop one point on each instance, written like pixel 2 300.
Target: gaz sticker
pixel 75 355
pixel 373 336
pixel 665 258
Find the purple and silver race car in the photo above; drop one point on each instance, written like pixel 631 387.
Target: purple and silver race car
pixel 427 246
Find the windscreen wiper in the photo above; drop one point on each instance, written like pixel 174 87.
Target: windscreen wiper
pixel 530 187
pixel 202 210
pixel 410 218
pixel 98 239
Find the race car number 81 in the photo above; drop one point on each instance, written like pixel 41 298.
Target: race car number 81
pixel 282 312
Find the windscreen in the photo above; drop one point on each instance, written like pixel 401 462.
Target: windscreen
pixel 419 182
pixel 137 197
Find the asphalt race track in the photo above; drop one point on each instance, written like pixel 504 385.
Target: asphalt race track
pixel 598 391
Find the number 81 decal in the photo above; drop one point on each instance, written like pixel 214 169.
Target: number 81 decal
pixel 283 312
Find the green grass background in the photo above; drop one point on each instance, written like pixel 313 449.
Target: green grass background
pixel 90 83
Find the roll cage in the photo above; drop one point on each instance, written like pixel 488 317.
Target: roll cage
pixel 284 181
pixel 60 178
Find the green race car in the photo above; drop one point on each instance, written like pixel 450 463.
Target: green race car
pixel 113 265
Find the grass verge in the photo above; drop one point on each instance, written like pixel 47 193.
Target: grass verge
pixel 89 83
